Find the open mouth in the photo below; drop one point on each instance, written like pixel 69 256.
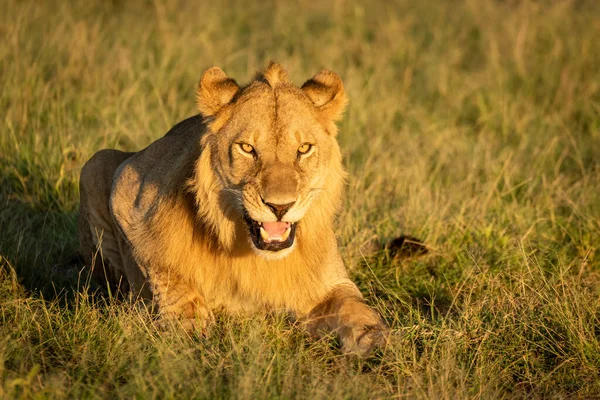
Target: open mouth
pixel 271 236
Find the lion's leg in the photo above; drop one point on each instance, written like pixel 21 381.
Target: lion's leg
pixel 99 242
pixel 108 253
pixel 179 300
pixel 345 313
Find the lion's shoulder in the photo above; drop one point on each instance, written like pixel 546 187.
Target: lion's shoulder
pixel 187 126
pixel 148 183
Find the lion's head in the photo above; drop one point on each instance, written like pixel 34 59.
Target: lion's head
pixel 270 169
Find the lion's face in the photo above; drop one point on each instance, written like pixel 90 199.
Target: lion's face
pixel 273 155
pixel 273 152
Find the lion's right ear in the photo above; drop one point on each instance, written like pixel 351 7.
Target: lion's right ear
pixel 215 91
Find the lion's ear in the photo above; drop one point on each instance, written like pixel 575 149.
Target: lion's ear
pixel 326 91
pixel 215 90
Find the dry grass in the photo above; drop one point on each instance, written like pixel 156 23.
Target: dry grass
pixel 474 125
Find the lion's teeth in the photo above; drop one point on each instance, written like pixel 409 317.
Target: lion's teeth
pixel 265 235
pixel 286 234
pixel 268 238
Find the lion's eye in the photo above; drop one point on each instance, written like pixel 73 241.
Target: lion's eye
pixel 305 148
pixel 247 148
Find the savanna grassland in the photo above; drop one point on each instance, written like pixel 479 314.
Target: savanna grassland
pixel 472 125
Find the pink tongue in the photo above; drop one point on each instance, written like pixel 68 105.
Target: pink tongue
pixel 275 228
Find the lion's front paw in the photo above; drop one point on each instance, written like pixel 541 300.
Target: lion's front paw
pixel 191 316
pixel 197 323
pixel 362 340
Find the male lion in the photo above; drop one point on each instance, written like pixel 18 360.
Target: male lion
pixel 232 210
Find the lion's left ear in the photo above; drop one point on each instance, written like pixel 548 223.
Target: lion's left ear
pixel 215 91
pixel 326 91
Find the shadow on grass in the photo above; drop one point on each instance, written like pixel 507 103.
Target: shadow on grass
pixel 406 275
pixel 39 241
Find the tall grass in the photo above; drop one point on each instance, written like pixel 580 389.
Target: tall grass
pixel 474 125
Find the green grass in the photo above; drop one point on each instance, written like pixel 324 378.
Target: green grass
pixel 474 125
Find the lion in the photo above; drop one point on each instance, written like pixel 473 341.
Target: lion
pixel 232 210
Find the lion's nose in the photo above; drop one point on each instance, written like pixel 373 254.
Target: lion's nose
pixel 280 209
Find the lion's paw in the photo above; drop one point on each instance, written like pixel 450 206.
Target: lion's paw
pixel 194 317
pixel 197 324
pixel 363 340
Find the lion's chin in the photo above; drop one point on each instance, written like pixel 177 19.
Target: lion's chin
pixel 272 238
pixel 274 255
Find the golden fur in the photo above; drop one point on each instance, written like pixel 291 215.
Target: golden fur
pixel 170 221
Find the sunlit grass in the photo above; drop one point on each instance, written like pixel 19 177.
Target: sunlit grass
pixel 473 125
